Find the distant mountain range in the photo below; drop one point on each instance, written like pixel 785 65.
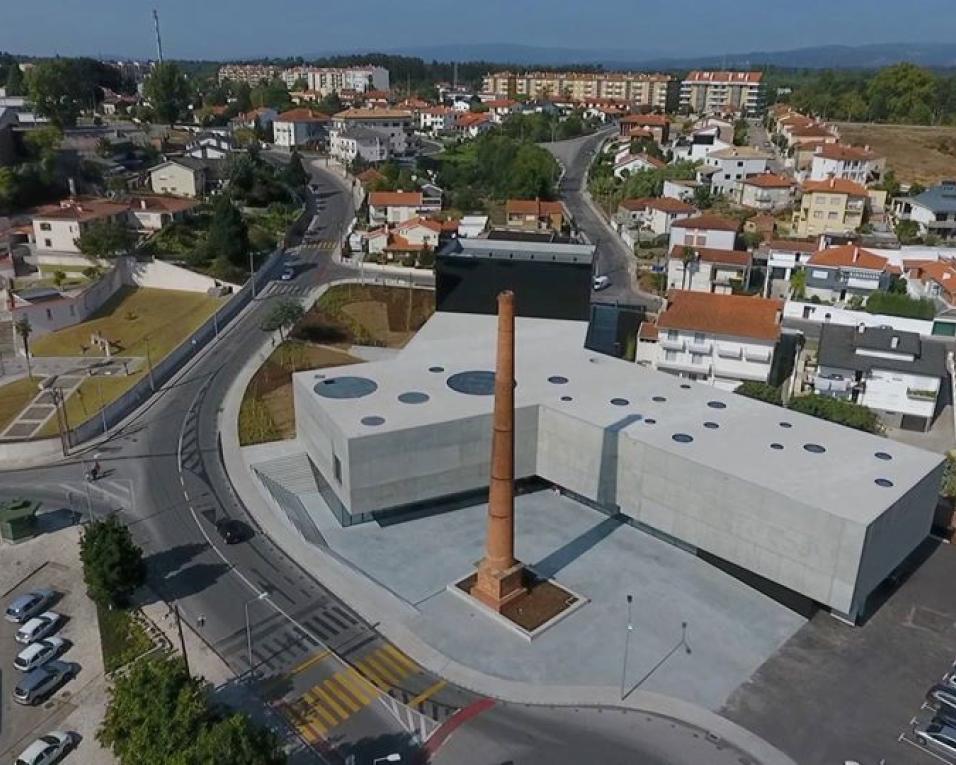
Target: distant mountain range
pixel 936 55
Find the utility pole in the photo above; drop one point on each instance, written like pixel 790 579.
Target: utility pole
pixel 182 642
pixel 627 645
pixel 159 40
pixel 252 274
pixel 149 365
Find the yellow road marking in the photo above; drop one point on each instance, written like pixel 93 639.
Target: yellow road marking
pixel 357 685
pixel 312 731
pixel 335 685
pixel 401 657
pixel 427 693
pixel 309 662
pixel 392 663
pixel 320 693
pixel 371 674
pixel 384 671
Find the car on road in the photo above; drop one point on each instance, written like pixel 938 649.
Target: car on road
pixel 35 686
pixel 601 283
pixel 39 653
pixel 38 627
pixel 233 531
pixel 25 606
pixel 288 274
pixel 939 735
pixel 49 748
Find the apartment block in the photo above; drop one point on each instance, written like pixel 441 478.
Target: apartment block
pixel 653 91
pixel 706 92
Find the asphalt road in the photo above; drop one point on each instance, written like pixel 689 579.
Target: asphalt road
pixel 612 255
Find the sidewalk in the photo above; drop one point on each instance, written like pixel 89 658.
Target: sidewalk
pixel 380 607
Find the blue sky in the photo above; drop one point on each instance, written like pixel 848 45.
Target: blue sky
pixel 234 28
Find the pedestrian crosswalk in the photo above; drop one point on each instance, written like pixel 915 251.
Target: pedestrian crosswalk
pixel 334 700
pixel 280 288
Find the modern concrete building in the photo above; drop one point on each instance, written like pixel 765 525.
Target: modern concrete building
pixel 299 127
pixel 722 93
pixel 780 498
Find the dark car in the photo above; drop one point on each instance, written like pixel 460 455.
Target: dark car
pixel 233 531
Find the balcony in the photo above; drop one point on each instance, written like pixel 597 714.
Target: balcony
pixel 832 385
pixel 671 344
pixel 700 346
pixel 918 394
pixel 685 366
pixel 726 351
pixel 761 355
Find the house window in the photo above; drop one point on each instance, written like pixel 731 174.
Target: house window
pixel 337 468
pixel 697 358
pixel 818 214
pixel 48 243
pixel 698 337
pixel 831 216
pixel 49 314
pixel 670 355
pixel 672 334
pixel 45 227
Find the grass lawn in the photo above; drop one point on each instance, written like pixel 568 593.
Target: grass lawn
pixel 121 637
pixel 266 413
pixel 14 396
pixel 165 317
pixel 916 153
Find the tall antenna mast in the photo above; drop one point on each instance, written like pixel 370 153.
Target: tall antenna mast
pixel 454 81
pixel 159 40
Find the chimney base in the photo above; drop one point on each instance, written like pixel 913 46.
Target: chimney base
pixel 496 588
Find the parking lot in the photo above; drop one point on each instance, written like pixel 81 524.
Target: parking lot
pixel 52 560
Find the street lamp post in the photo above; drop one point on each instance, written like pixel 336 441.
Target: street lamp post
pixel 261 596
pixel 627 644
pixel 99 393
pixel 252 273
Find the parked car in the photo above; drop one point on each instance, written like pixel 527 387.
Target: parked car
pixel 47 749
pixel 23 607
pixel 943 697
pixel 37 685
pixel 39 653
pixel 233 531
pixel 38 627
pixel 601 282
pixel 288 274
pixel 938 735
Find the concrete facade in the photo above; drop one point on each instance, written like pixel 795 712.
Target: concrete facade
pixel 798 501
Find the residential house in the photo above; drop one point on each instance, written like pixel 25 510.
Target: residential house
pixel 767 191
pixel 707 92
pixel 895 374
pixel 210 146
pixel 803 143
pixel 784 257
pixel 836 160
pixel 473 124
pixel 432 195
pixel 500 109
pixel 701 269
pixel 396 206
pixel 534 215
pixel 635 163
pixel 734 164
pixel 264 116
pixel 180 177
pixel 933 210
pixel 395 125
pixel 654 215
pixel 359 143
pixel 698 145
pixel 658 126
pixel 935 280
pixel 152 213
pixel 437 119
pixel 711 231
pixel 835 206
pixel 56 227
pixel 299 127
pixel 722 340
pixel 680 189
pixel 838 273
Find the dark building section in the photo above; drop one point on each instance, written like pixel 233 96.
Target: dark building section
pixel 612 329
pixel 550 280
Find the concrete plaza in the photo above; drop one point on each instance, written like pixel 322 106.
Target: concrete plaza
pixel 731 628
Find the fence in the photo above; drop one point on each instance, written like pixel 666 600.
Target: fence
pixel 119 409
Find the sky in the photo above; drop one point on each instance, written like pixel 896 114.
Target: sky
pixel 222 29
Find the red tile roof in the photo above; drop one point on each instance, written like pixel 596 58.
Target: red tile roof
pixel 647 331
pixel 835 186
pixel 373 114
pixel 811 131
pixel 395 199
pixel 302 115
pixel 80 209
pixel 710 255
pixel 467 119
pixel 533 207
pixel 154 203
pixel 733 315
pixel 737 77
pixel 646 120
pixel 769 181
pixel 839 151
pixel 793 245
pixel 712 222
pixel 848 256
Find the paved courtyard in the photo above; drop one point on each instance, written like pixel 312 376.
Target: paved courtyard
pixel 731 629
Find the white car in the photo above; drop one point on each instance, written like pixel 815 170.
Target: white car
pixel 39 653
pixel 52 747
pixel 938 735
pixel 601 282
pixel 38 627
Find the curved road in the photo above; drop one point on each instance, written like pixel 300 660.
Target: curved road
pixel 164 474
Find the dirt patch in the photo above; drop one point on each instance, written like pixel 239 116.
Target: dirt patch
pixel 366 315
pixel 915 153
pixel 543 601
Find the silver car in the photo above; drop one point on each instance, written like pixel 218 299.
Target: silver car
pixel 938 735
pixel 37 685
pixel 38 627
pixel 39 653
pixel 25 606
pixel 49 748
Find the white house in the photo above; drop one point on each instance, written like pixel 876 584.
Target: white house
pixel 893 373
pixel 436 119
pixel 181 178
pixel 500 109
pixel 394 125
pixel 784 256
pixel 152 213
pixel 722 340
pixel 655 215
pixel 698 145
pixel 734 164
pixel 933 211
pixel 56 227
pixel 701 269
pixel 680 189
pixel 835 160
pixel 396 206
pixel 707 230
pixel 633 163
pixel 767 191
pixel 839 273
pixel 299 127
pixel 210 146
pixel 473 124
pixel 357 142
pixel 263 116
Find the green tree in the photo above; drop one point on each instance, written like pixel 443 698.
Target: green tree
pixel 8 188
pixel 57 91
pixel 113 564
pixel 15 83
pixel 295 173
pixel 761 392
pixel 836 410
pixel 282 316
pixel 235 740
pixel 227 241
pixel 741 132
pixel 24 329
pixel 167 91
pixel 907 231
pixel 106 239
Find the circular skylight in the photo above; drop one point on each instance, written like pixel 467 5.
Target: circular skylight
pixel 659 399
pixel 776 446
pixel 786 425
pixel 413 397
pixel 886 483
pixel 620 401
pixel 373 420
pixel 883 456
pixel 682 438
pixel 716 405
pixel 346 387
pixel 558 380
pixel 814 448
pixel 436 369
pixel 711 425
pixel 473 383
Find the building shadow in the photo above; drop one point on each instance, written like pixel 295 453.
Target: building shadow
pixel 607 476
pixel 550 565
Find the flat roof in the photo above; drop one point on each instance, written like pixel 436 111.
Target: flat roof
pixel 513 249
pixel 554 370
